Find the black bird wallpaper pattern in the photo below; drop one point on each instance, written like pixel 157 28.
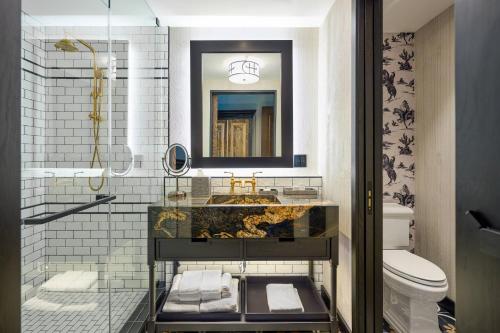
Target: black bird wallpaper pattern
pixel 398 77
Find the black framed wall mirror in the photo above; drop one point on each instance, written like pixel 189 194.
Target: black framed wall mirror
pixel 241 104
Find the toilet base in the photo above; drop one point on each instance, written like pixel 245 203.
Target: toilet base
pixel 407 315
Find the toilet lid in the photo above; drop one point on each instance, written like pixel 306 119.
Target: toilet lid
pixel 414 268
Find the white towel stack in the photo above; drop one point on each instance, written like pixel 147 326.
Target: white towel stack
pixel 283 298
pixel 189 287
pixel 211 285
pixel 72 281
pixel 174 289
pixel 229 304
pixel 203 291
pixel 226 285
pixel 176 306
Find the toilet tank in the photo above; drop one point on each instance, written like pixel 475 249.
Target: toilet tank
pixel 396 223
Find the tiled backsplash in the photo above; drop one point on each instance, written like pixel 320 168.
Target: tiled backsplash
pixel 222 184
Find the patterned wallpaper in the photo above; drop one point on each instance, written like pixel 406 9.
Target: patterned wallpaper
pixel 399 120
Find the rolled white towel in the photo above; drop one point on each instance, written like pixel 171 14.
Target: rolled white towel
pixel 189 287
pixel 229 304
pixel 226 285
pixel 283 298
pixel 174 289
pixel 211 285
pixel 173 306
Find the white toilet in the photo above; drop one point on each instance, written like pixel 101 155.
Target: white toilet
pixel 412 285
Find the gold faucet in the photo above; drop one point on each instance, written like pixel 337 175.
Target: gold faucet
pixel 252 182
pixel 233 182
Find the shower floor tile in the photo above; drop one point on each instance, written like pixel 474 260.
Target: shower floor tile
pixel 78 312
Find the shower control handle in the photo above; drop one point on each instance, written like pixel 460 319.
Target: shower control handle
pixel 482 221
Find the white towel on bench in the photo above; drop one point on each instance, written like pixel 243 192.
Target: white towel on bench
pixel 71 281
pixel 283 298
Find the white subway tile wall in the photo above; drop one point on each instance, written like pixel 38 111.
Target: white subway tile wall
pixel 57 133
pixel 33 153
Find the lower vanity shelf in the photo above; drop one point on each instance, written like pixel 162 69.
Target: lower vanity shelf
pixel 256 308
pixel 253 311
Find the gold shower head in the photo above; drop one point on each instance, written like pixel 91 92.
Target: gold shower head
pixel 66 45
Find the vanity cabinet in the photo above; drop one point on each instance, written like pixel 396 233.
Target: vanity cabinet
pixel 199 230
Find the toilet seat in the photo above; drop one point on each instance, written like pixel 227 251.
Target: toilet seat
pixel 414 268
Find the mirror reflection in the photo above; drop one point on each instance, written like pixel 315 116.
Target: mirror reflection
pixel 241 104
pixel 177 158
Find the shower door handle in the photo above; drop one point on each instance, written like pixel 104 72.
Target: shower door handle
pixel 489 237
pixel 129 168
pixel 481 221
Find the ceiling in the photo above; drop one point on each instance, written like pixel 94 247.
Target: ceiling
pixel 411 15
pixel 241 13
pixel 399 15
pixel 89 12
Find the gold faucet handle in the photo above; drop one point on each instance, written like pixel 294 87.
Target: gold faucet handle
pixel 230 173
pixel 256 172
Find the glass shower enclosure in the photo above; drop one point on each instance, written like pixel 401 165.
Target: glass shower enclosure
pixel 93 113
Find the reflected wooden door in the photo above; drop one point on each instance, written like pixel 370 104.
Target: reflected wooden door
pixel 238 131
pixel 220 140
pixel 267 132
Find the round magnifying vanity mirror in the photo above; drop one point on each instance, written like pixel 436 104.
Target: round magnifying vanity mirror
pixel 176 163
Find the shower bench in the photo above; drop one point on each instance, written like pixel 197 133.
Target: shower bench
pixel 192 230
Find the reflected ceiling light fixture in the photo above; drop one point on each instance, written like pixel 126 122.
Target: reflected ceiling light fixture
pixel 244 71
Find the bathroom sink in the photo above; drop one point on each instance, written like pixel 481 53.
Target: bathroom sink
pixel 242 199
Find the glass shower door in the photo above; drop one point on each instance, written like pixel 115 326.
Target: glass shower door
pixel 139 50
pixel 66 193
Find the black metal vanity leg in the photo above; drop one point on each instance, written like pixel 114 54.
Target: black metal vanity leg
pixel 333 296
pixel 311 269
pixel 152 299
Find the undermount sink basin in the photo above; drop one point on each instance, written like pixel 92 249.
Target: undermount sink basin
pixel 242 199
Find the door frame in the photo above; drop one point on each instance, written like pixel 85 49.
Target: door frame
pixel 10 166
pixel 367 125
pixel 367 168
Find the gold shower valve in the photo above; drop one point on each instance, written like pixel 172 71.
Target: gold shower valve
pixel 95 117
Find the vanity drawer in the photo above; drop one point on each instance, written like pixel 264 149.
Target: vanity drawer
pixel 287 248
pixel 199 249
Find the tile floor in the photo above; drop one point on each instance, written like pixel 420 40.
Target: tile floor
pixel 78 312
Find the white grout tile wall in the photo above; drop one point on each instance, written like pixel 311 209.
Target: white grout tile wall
pixel 33 150
pixel 57 133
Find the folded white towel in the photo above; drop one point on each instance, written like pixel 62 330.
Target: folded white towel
pixel 173 306
pixel 210 288
pixel 189 287
pixel 174 289
pixel 283 298
pixel 226 285
pixel 229 304
pixel 72 281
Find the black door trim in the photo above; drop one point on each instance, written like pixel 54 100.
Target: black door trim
pixel 10 166
pixel 367 167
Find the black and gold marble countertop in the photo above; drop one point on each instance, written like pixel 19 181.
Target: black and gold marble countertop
pixel 243 216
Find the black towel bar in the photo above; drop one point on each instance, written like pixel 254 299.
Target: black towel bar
pixel 54 216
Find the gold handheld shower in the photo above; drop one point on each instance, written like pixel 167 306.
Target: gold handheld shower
pixel 67 45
